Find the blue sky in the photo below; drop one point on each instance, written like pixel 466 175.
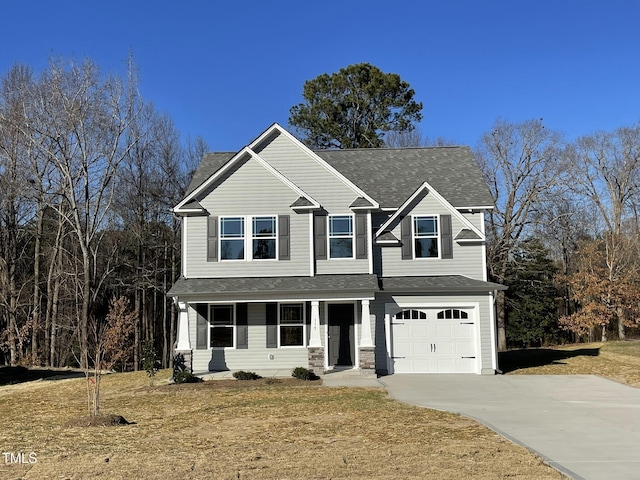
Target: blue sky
pixel 227 70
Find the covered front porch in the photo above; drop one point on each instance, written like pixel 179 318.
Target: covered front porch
pixel 321 323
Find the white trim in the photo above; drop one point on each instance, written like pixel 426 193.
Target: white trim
pixel 315 157
pixel 492 331
pixel 248 238
pixel 185 260
pixel 439 198
pixel 283 300
pixel 484 250
pixel 370 241
pixel 438 236
pixel 312 263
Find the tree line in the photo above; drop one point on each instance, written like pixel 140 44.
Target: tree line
pixel 88 173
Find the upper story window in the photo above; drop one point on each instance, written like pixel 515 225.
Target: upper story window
pixel 425 236
pixel 232 238
pixel 259 238
pixel 264 238
pixel 292 326
pixel 221 326
pixel 340 236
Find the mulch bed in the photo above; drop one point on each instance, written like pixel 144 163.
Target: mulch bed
pixel 103 420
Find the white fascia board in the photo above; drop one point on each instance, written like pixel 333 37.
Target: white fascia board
pixel 318 159
pixel 438 197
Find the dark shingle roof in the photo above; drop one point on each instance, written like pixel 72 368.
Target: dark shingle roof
pixel 435 284
pixel 209 164
pixel 367 284
pixel 466 234
pixel 390 176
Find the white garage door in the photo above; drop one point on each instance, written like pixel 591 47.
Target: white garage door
pixel 441 340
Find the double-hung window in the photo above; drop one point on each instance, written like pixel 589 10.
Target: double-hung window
pixel 232 238
pixel 264 238
pixel 221 326
pixel 291 328
pixel 340 236
pixel 425 236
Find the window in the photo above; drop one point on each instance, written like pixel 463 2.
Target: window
pixel 264 238
pixel 411 315
pixel 221 326
pixel 292 325
pixel 340 236
pixel 232 238
pixel 452 313
pixel 425 237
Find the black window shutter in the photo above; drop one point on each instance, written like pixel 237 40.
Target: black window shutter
pixel 202 324
pixel 284 239
pixel 272 325
pixel 242 327
pixel 361 235
pixel 321 236
pixel 446 236
pixel 212 239
pixel 405 238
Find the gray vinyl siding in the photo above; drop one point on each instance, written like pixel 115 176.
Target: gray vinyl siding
pixel 255 357
pixel 467 258
pixel 237 195
pixel 484 317
pixel 312 177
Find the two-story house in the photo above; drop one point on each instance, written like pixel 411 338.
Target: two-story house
pixel 364 258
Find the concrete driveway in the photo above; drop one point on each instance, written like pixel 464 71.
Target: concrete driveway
pixel 583 425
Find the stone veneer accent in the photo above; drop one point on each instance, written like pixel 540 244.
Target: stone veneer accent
pixel 316 360
pixel 188 358
pixel 367 359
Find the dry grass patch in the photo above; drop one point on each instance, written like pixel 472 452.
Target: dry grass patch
pixel 231 430
pixel 619 361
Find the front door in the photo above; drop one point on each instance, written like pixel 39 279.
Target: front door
pixel 341 339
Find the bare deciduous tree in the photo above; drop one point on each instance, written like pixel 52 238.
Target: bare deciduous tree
pixel 520 163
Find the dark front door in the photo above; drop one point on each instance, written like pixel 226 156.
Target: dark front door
pixel 341 344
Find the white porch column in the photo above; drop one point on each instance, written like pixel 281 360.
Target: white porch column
pixel 366 339
pixel 183 342
pixel 314 338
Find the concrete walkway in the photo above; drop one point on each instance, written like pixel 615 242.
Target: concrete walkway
pixel 585 426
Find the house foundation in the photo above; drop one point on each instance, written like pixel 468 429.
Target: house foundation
pixel 316 360
pixel 367 361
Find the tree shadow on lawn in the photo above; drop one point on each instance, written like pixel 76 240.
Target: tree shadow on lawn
pixel 537 357
pixel 13 375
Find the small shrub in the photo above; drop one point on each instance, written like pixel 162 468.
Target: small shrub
pixel 150 361
pixel 185 377
pixel 179 364
pixel 242 375
pixel 303 374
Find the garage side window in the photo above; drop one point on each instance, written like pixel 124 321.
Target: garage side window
pixel 452 313
pixel 411 315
